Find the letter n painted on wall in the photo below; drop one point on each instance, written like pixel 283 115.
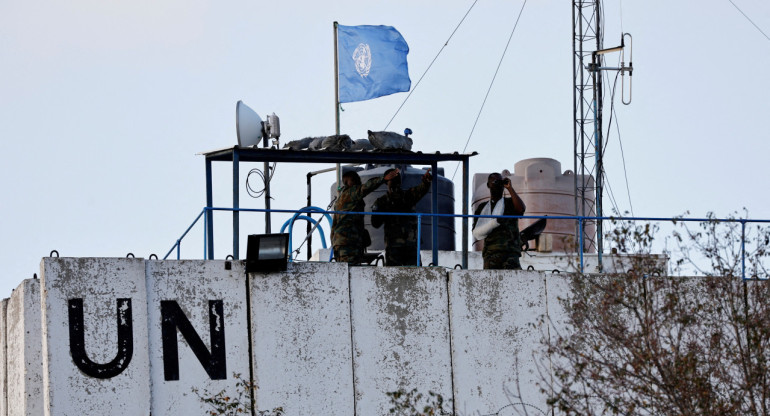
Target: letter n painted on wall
pixel 173 319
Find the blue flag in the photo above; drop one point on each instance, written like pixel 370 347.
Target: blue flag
pixel 372 62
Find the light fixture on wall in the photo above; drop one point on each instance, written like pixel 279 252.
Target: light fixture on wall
pixel 267 253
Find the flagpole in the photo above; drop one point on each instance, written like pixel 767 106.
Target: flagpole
pixel 337 100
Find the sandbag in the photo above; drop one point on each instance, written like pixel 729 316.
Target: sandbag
pixel 388 140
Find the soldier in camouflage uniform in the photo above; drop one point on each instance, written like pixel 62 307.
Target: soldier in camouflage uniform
pixel 400 231
pixel 502 246
pixel 348 233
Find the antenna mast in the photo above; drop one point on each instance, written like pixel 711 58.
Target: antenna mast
pixel 587 58
pixel 587 109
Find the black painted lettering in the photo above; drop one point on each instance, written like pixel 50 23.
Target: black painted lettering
pixel 125 341
pixel 173 318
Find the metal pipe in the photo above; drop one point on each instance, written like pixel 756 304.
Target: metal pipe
pixel 630 70
pixel 580 220
pixel 332 169
pixel 580 242
pixel 466 178
pixel 309 229
pixel 600 157
pixel 206 234
pixel 743 249
pixel 290 224
pixel 236 202
pixel 598 152
pixel 434 210
pixel 419 235
pixel 208 231
pixel 336 84
pixel 267 198
pixel 179 241
pixel 337 100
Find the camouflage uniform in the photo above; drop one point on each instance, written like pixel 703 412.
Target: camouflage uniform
pixel 400 231
pixel 502 247
pixel 348 232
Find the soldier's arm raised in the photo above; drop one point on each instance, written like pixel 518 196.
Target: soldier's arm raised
pixel 518 204
pixel 374 183
pixel 415 193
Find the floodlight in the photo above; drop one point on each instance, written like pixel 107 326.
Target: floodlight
pixel 267 252
pixel 248 124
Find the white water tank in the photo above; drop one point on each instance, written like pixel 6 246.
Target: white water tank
pixel 546 191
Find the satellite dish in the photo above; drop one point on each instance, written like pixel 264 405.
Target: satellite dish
pixel 248 124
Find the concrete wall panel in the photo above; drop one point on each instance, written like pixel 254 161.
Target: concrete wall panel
pixel 492 339
pixel 99 282
pixel 326 338
pixel 452 258
pixel 4 358
pixel 25 371
pixel 302 353
pixel 445 258
pixel 192 284
pixel 400 334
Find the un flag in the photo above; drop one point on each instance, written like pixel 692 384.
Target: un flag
pixel 372 62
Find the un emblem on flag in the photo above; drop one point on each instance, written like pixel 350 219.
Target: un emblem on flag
pixel 363 59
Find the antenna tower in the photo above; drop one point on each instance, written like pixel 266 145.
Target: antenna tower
pixel 587 108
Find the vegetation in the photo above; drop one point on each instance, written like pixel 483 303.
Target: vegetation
pixel 414 403
pixel 642 342
pixel 223 403
pixel 637 343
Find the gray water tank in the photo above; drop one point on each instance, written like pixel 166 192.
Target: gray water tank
pixel 410 177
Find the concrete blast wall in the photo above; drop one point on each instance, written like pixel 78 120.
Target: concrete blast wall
pixel 213 300
pixel 95 341
pixel 24 351
pixel 132 337
pixel 400 334
pixel 302 352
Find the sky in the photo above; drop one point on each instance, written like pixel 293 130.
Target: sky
pixel 105 105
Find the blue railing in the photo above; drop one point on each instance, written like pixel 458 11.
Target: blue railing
pixel 580 219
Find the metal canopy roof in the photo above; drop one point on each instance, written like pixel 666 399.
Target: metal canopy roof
pixel 237 154
pixel 249 154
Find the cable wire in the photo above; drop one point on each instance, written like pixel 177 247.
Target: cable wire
pixel 429 66
pixel 516 24
pixel 623 158
pixel 621 16
pixel 749 19
pixel 611 194
pixel 265 180
pixel 620 142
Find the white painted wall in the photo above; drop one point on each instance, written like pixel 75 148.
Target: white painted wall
pixel 302 339
pixel 99 282
pixel 445 258
pixel 25 371
pixel 492 313
pixel 326 338
pixel 400 334
pixel 3 359
pixel 532 260
pixel 192 284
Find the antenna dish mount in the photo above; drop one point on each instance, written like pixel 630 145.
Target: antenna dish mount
pixel 251 129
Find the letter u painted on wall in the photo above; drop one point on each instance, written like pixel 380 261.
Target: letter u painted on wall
pixel 125 341
pixel 172 319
